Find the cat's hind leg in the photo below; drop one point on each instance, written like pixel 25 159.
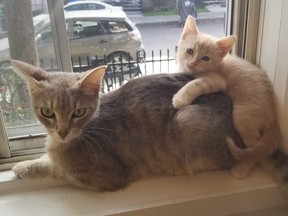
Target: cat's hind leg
pixel 247 125
pixel 244 166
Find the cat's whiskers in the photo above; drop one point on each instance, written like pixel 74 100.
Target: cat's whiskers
pixel 103 136
pixel 86 140
pixel 100 128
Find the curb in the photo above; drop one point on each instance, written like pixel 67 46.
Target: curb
pixel 139 20
pixel 174 22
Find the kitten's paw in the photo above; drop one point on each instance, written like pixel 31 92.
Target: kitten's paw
pixel 180 101
pixel 241 170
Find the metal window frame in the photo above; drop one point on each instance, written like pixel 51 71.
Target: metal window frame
pixel 246 25
pixel 4 145
pixel 62 53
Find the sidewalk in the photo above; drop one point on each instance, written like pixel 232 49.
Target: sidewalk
pixel 140 20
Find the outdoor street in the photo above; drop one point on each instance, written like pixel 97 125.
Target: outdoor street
pixel 163 37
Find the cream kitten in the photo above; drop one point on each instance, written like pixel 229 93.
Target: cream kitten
pixel 254 109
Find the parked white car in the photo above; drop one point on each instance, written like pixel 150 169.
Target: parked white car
pixel 90 5
pixel 100 34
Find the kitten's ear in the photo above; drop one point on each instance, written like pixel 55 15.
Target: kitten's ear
pixel 190 27
pixel 90 84
pixel 225 44
pixel 28 72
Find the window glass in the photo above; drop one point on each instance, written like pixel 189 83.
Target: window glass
pixel 153 26
pixel 112 27
pixel 22 37
pixel 94 7
pixel 86 6
pixel 75 7
pixel 84 29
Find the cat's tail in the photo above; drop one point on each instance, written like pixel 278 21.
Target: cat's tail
pixel 266 146
pixel 277 166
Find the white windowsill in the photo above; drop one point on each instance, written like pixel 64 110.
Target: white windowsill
pixel 211 193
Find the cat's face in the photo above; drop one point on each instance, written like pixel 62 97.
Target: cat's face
pixel 63 102
pixel 199 52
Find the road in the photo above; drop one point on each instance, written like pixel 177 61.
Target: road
pixel 163 37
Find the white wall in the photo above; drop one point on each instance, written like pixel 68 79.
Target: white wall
pixel 273 56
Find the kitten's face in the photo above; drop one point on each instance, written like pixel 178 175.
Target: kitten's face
pixel 199 52
pixel 63 102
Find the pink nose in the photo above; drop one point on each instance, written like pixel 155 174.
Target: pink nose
pixel 194 64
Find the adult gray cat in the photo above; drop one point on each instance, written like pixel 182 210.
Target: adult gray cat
pixel 106 142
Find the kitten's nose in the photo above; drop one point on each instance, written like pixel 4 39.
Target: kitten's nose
pixel 193 64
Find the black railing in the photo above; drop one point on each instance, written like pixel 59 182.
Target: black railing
pixel 121 69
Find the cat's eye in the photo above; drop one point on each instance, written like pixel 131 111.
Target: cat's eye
pixel 205 58
pixel 190 51
pixel 46 112
pixel 79 112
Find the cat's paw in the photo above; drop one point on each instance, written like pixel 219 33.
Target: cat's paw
pixel 26 169
pixel 179 101
pixel 241 169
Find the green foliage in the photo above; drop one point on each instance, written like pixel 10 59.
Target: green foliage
pixel 14 98
pixel 160 12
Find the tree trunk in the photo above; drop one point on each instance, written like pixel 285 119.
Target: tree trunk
pixel 20 30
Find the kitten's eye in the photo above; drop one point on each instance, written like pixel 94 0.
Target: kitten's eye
pixel 79 112
pixel 205 58
pixel 190 51
pixel 46 112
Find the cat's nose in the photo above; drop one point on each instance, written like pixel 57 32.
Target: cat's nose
pixel 63 133
pixel 193 64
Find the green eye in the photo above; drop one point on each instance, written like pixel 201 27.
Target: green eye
pixel 190 51
pixel 79 112
pixel 46 112
pixel 205 58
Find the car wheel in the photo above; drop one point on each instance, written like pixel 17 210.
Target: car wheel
pixel 118 61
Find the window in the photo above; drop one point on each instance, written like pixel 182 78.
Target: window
pixel 86 6
pixel 23 38
pixel 53 39
pixel 113 27
pixel 84 29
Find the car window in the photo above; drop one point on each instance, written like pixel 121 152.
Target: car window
pixel 94 7
pixel 86 6
pixel 75 7
pixel 112 27
pixel 83 29
pixel 44 36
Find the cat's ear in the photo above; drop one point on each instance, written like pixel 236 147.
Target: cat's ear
pixel 190 27
pixel 28 72
pixel 90 84
pixel 225 44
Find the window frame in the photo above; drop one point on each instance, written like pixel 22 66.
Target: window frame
pixel 257 194
pixel 61 44
pixel 253 10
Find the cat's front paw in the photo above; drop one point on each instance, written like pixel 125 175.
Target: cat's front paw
pixel 31 169
pixel 179 101
pixel 23 170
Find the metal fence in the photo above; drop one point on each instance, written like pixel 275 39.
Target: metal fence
pixel 121 71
